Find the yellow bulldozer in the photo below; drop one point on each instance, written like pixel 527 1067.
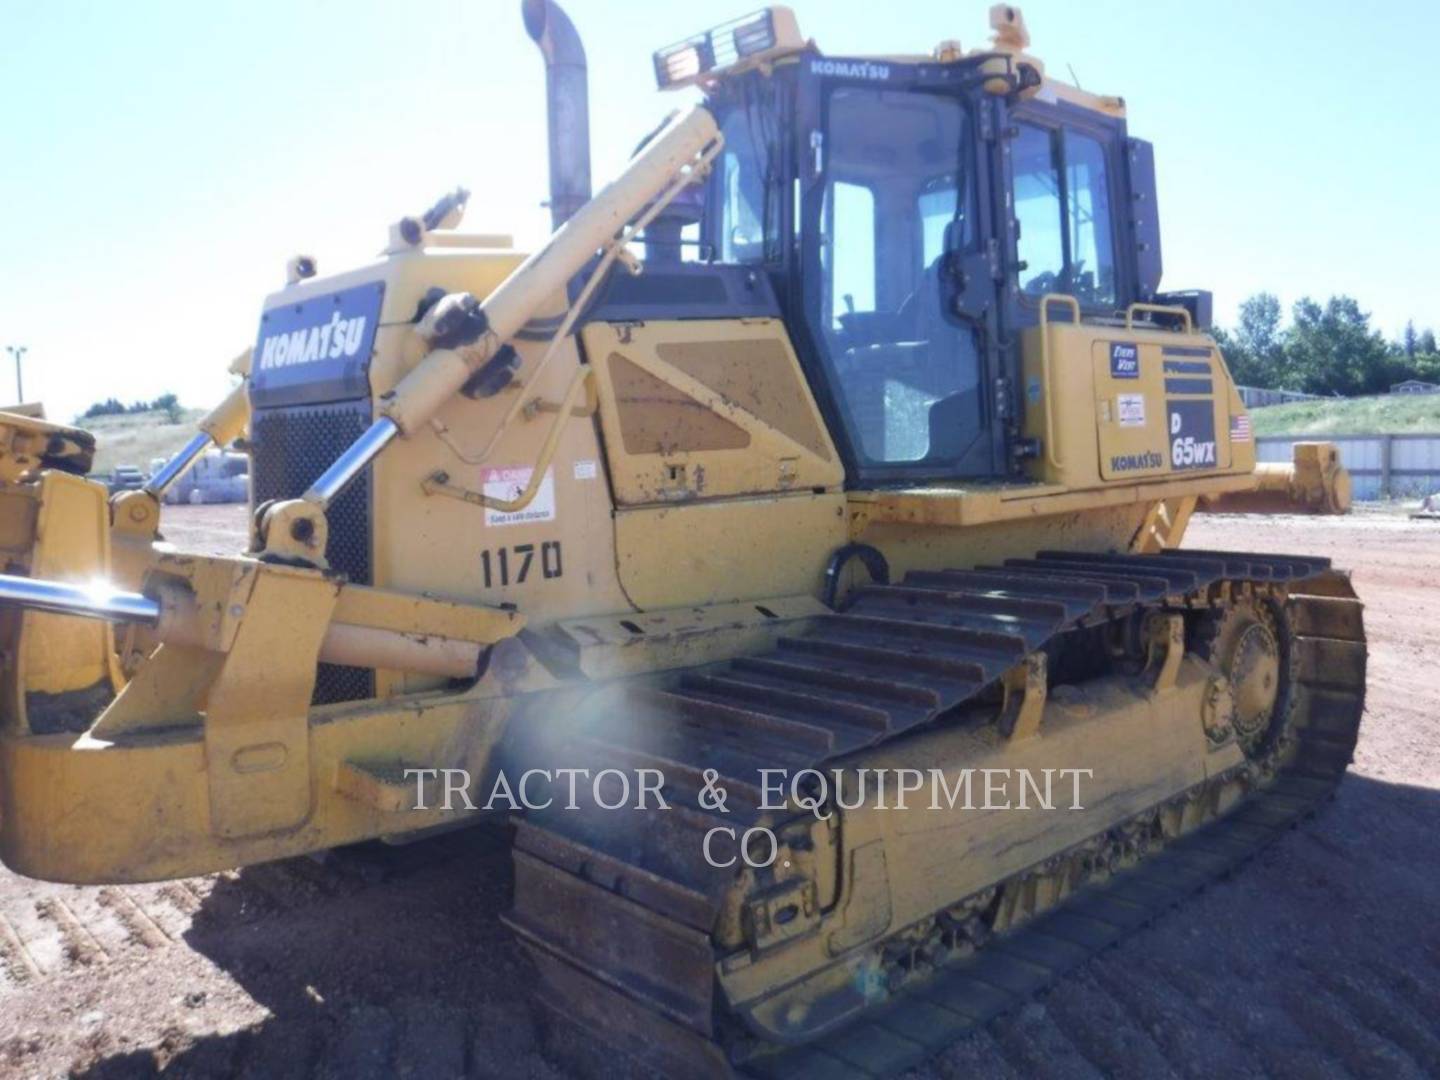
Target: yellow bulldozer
pixel 788 547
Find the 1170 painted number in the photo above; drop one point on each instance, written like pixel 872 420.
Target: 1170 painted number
pixel 513 565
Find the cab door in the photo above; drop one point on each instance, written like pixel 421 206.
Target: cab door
pixel 896 309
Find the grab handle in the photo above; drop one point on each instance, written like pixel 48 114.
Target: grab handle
pixel 1051 455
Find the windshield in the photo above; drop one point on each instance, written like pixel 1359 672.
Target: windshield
pixel 897 201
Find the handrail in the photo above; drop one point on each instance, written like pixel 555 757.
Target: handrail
pixel 1045 301
pixel 1158 309
pixel 438 483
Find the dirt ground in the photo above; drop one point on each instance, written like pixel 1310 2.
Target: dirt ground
pixel 1322 958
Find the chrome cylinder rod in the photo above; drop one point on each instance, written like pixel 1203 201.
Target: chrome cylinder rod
pixel 349 465
pixel 177 466
pixel 94 601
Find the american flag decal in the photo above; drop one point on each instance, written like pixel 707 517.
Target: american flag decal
pixel 1240 428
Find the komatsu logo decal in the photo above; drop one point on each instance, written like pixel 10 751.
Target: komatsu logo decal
pixel 329 341
pixel 1124 360
pixel 317 349
pixel 851 69
pixel 1148 459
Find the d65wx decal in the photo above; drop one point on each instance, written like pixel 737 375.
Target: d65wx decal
pixel 1192 434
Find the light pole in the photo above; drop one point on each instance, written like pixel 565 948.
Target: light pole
pixel 18 353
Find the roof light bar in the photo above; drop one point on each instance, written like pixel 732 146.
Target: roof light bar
pixel 734 46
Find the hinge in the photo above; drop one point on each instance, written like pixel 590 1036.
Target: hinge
pixel 992 258
pixel 987 125
pixel 1002 398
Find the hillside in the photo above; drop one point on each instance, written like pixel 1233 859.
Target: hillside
pixel 1385 414
pixel 135 438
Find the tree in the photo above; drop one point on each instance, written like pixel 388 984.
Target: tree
pixel 169 404
pixel 1255 351
pixel 108 407
pixel 1327 348
pixel 1334 350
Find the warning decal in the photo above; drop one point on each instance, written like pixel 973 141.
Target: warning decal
pixel 510 484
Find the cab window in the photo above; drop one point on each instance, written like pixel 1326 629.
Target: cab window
pixel 1041 244
pixel 1066 238
pixel 1090 258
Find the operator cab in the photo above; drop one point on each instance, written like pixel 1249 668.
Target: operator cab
pixel 910 214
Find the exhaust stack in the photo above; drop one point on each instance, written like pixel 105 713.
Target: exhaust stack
pixel 567 101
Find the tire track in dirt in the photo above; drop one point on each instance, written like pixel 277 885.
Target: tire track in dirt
pixel 15 959
pixel 1145 1004
pixel 143 929
pixel 77 944
pixel 1105 1032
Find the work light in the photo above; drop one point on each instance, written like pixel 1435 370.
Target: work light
pixel 733 46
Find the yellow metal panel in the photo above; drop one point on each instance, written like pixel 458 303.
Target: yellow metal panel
pixel 1142 416
pixel 706 409
pixel 656 418
pixel 984 505
pixel 72 543
pixel 759 376
pixel 407 614
pixel 167 691
pixel 257 712
pixel 1129 411
pixel 1059 391
pixel 913 545
pixel 716 552
pixel 80 810
pixel 635 642
pixel 441 546
pixel 1102 400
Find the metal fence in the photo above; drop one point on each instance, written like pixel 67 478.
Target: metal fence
pixel 1381 466
pixel 1256 396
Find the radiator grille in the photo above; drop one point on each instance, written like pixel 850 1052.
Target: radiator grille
pixel 290 448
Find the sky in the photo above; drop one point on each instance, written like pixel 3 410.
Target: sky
pixel 160 162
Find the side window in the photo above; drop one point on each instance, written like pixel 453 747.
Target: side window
pixel 1062 206
pixel 1091 259
pixel 1037 211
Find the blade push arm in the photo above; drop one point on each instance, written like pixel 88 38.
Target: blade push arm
pixel 220 427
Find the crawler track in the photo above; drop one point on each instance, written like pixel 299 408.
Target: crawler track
pixel 622 920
